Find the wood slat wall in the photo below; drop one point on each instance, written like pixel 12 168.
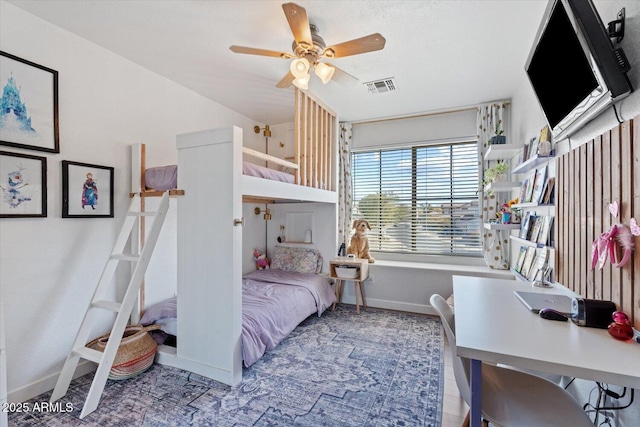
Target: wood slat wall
pixel 589 178
pixel 314 141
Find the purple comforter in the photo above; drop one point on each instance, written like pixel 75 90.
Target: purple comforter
pixel 274 302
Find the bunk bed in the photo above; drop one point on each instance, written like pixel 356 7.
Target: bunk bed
pixel 209 234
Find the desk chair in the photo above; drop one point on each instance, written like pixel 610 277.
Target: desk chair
pixel 510 397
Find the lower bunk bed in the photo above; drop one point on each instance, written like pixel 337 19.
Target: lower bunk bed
pixel 274 302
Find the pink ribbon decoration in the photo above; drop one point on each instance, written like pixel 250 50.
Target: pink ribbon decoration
pixel 605 246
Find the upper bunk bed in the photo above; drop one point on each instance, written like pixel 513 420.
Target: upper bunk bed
pixel 309 177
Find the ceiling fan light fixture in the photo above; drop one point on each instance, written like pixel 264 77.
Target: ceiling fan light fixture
pixel 324 72
pixel 300 67
pixel 329 53
pixel 302 82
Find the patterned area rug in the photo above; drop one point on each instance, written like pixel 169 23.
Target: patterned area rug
pixel 379 368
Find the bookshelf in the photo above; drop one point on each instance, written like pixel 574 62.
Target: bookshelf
pixel 501 187
pixel 500 226
pixel 532 163
pixel 502 151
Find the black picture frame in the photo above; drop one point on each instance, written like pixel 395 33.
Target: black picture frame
pixel 87 190
pixel 23 185
pixel 31 123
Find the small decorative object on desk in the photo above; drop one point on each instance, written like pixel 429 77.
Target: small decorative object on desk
pixel 620 328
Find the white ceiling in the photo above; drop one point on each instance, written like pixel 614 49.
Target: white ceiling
pixel 444 54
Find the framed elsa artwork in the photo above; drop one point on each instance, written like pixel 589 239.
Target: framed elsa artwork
pixel 29 105
pixel 87 190
pixel 23 183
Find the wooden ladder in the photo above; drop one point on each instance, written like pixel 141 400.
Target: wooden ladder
pixel 122 309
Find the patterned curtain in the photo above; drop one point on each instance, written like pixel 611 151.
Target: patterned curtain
pixel 495 243
pixel 344 182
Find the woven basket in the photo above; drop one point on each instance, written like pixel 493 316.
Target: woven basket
pixel 135 354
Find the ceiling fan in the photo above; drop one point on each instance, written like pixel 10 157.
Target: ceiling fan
pixel 309 49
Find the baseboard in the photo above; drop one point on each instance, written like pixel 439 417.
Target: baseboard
pixel 47 384
pixel 394 305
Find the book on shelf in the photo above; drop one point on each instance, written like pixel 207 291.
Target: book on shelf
pixel 545 231
pixel 528 261
pixel 520 260
pixel 539 184
pixel 525 225
pixel 538 265
pixel 523 190
pixel 532 151
pixel 534 228
pixel 530 184
pixel 547 197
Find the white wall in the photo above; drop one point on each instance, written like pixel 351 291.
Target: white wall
pixel 50 266
pixel 527 120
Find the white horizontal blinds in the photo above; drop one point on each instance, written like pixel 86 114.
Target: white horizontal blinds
pixel 420 200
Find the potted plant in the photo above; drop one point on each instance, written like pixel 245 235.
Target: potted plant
pixel 496 173
pixel 499 137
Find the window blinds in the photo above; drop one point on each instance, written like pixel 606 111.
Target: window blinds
pixel 420 199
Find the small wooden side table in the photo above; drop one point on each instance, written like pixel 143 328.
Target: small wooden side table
pixel 363 274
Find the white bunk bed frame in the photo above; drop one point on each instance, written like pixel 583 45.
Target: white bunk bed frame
pixel 209 238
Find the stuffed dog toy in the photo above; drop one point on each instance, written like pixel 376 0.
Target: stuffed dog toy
pixel 359 242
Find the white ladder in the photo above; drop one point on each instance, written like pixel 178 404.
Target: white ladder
pixel 123 309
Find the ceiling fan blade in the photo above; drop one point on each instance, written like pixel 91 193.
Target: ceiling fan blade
pixel 299 23
pixel 342 77
pixel 354 47
pixel 262 52
pixel 286 80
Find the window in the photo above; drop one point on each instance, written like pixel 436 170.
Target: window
pixel 419 200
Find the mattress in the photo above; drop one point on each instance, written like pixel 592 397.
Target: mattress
pixel 164 178
pixel 252 169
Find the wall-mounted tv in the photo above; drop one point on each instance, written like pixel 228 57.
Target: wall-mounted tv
pixel 573 67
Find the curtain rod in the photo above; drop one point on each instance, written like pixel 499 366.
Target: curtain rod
pixel 433 113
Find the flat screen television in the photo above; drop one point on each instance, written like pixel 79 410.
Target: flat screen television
pixel 573 67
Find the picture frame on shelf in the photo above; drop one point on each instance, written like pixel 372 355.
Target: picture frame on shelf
pixel 87 190
pixel 31 119
pixel 24 186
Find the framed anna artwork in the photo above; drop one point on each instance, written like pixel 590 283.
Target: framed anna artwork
pixel 87 190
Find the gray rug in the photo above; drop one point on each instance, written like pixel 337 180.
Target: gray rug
pixel 379 368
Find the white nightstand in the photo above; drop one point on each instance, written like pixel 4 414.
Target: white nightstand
pixel 362 275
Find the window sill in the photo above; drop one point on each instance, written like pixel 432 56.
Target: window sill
pixel 466 270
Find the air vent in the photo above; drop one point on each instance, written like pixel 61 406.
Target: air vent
pixel 382 86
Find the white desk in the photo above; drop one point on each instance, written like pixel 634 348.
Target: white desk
pixel 493 326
